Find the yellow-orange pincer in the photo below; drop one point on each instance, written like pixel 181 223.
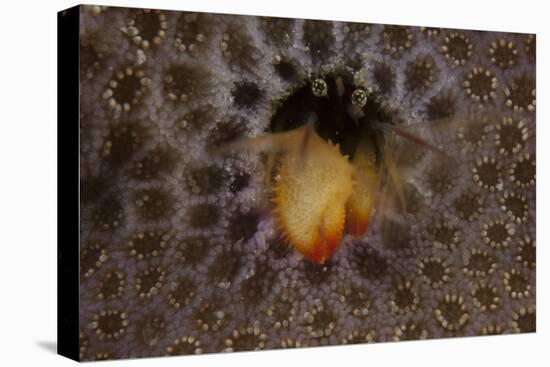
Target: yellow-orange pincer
pixel 311 191
pixel 317 190
pixel 367 181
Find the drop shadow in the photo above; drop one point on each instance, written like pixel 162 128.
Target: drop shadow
pixel 48 345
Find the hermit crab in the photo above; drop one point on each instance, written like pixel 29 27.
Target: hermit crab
pixel 333 163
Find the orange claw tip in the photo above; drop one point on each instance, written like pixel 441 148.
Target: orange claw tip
pixel 360 205
pixel 357 223
pixel 322 250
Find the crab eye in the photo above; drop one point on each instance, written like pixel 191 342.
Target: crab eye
pixel 319 88
pixel 359 97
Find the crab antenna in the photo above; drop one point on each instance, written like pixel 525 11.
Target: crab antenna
pixel 407 135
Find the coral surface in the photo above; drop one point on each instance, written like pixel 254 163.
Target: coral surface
pixel 179 254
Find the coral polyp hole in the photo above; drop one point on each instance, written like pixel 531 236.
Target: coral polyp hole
pixel 316 273
pixel 318 37
pixel 384 76
pixel 247 95
pixel 243 226
pixel 286 70
pixel 203 216
pixel 278 31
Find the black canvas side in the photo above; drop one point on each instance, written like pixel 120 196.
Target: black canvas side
pixel 68 182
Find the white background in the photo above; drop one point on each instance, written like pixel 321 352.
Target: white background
pixel 28 182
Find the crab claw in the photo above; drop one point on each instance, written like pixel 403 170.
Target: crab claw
pixel 314 184
pixel 367 180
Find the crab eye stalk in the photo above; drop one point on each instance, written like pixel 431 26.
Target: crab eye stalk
pixel 319 88
pixel 359 97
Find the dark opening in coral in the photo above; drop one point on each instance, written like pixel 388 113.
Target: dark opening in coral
pixel 337 114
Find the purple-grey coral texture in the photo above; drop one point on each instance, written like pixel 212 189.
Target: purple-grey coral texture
pixel 177 257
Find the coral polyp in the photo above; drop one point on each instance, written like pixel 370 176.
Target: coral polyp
pixel 254 183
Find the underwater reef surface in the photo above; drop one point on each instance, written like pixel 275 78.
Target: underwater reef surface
pixel 180 256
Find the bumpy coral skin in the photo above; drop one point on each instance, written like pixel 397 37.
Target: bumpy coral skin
pixel 179 254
